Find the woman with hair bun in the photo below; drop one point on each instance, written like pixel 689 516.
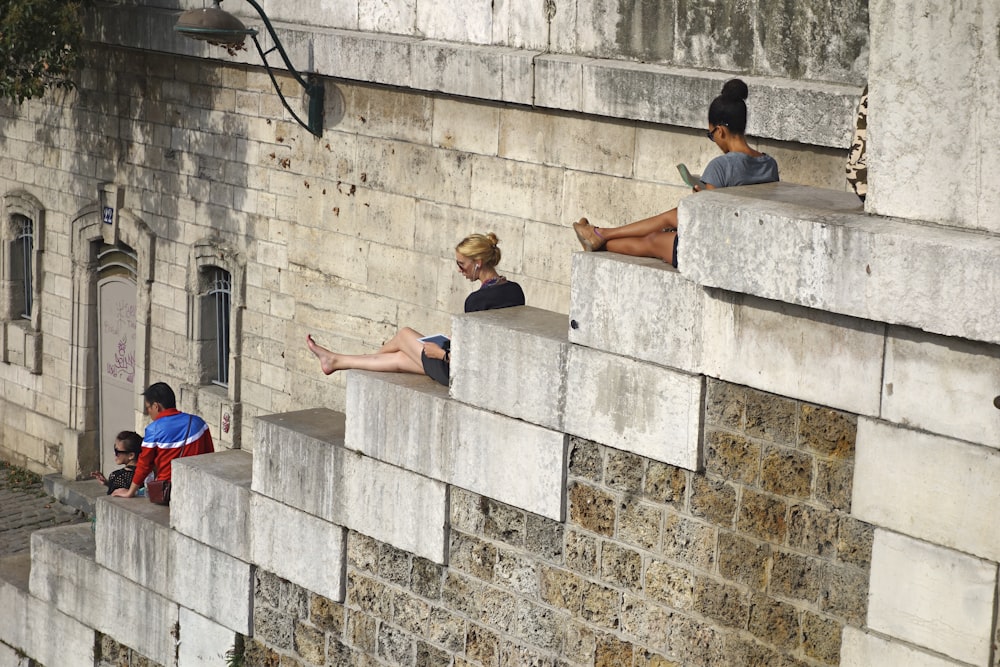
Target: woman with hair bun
pixel 738 165
pixel 477 257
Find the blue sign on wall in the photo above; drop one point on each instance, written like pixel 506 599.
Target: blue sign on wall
pixel 108 215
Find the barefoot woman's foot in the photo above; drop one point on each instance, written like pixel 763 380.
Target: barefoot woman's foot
pixel 587 233
pixel 325 356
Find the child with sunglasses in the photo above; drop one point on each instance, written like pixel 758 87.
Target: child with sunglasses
pixel 128 444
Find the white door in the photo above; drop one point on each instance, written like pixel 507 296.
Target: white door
pixel 116 359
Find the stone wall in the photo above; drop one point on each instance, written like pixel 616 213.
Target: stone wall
pixel 756 561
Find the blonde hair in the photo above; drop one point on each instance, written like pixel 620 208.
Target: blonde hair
pixel 481 248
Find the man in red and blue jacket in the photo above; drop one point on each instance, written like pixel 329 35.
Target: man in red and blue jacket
pixel 171 434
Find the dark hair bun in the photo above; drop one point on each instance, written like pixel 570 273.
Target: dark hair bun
pixel 735 88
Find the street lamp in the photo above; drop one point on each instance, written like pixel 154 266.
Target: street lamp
pixel 217 26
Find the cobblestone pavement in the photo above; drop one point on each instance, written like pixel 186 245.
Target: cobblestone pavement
pixel 24 508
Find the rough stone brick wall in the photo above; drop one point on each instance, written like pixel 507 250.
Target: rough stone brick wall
pixel 755 561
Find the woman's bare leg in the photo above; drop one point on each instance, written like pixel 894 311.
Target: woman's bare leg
pixel 657 244
pixel 640 228
pixel 403 339
pixel 405 360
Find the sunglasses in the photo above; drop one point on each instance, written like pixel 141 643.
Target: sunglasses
pixel 119 452
pixel 711 133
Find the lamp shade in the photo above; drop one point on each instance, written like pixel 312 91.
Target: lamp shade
pixel 214 25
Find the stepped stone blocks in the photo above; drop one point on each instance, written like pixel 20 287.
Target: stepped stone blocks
pixel 65 573
pixel 644 309
pixel 317 563
pixel 522 351
pixel 37 628
pixel 637 307
pixel 221 482
pixel 203 643
pixel 816 248
pixel 933 597
pixel 300 460
pixel 634 406
pixel 930 487
pixel 409 421
pixel 958 379
pixel 135 540
pixel 860 649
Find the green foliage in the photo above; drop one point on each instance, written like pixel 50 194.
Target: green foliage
pixel 18 479
pixel 39 46
pixel 236 656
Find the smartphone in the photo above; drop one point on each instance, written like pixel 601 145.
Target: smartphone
pixel 691 181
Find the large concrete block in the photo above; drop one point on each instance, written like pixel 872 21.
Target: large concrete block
pixel 214 584
pixel 637 307
pixel 635 406
pixel 934 488
pixel 208 487
pixel 299 460
pixel 794 351
pixel 203 643
pixel 862 649
pixel 409 421
pixel 134 539
pixel 932 596
pixel 36 628
pixel 933 67
pixel 512 361
pixel 458 69
pixel 816 248
pixel 318 562
pixel 943 385
pixel 65 573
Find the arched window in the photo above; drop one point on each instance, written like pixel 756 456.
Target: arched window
pixel 22 266
pixel 21 240
pixel 216 313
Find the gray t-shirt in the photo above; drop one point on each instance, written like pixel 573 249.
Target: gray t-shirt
pixel 733 168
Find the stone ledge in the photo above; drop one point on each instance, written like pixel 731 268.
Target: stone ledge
pixel 815 113
pixel 210 486
pixel 817 248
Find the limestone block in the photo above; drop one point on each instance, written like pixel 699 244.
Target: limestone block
pixel 520 189
pixel 576 143
pixel 203 643
pixel 208 487
pixel 134 540
pixel 861 649
pixel 521 23
pixel 65 573
pixel 460 125
pixel 794 351
pixel 934 488
pixel 378 58
pixel 276 526
pixel 299 460
pixel 381 17
pixel 9 656
pixel 416 171
pixel 942 385
pixel 464 22
pixel 637 307
pixel 457 69
pixel 916 50
pixel 519 76
pixel 816 248
pixel 559 81
pixel 213 583
pixel 523 352
pixel 408 421
pixel 635 406
pixel 932 596
pixel 36 628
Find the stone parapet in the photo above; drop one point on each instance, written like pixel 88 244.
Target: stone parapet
pixel 933 597
pixel 36 628
pixel 65 573
pixel 300 460
pixel 817 248
pixel 210 486
pixel 409 421
pixel 204 643
pixel 862 649
pixel 934 488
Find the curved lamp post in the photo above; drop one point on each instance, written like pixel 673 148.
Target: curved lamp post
pixel 217 26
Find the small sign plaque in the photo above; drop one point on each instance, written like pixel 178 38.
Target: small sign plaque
pixel 108 215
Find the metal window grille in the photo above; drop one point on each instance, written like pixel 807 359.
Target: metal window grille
pixel 219 296
pixel 24 247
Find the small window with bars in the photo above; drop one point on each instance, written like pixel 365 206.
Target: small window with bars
pixel 216 307
pixel 22 267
